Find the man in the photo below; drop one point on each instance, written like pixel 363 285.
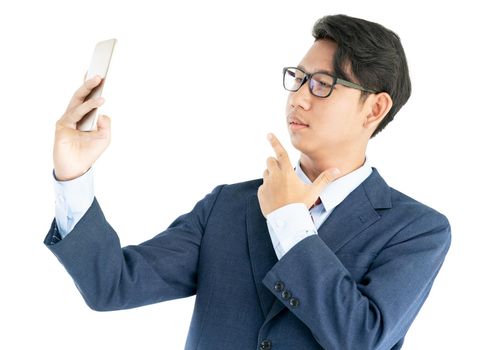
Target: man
pixel 322 255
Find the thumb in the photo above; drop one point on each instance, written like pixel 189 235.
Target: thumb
pixel 325 178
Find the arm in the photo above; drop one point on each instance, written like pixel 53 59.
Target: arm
pixel 110 277
pixel 372 314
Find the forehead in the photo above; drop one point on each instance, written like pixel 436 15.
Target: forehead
pixel 319 57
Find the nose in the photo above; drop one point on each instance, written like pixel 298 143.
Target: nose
pixel 302 97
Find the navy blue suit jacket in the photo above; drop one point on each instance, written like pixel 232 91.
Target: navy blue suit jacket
pixel 358 284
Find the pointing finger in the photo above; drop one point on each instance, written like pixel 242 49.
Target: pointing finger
pixel 280 152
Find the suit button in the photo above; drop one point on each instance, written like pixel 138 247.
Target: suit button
pixel 294 302
pixel 286 294
pixel 265 345
pixel 279 286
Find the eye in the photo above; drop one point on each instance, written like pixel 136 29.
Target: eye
pixel 324 83
pixel 323 80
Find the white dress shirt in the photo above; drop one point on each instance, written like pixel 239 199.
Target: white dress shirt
pixel 287 225
pixel 72 200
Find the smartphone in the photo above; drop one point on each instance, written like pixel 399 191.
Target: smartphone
pixel 99 65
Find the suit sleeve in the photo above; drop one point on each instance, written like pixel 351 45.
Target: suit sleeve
pixel 111 278
pixel 376 312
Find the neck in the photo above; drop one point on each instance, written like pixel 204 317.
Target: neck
pixel 314 166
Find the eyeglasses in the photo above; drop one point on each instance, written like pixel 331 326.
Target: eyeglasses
pixel 320 83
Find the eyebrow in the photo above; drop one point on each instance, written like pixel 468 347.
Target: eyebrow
pixel 318 71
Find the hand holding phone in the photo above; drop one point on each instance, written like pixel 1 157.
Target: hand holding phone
pixel 75 150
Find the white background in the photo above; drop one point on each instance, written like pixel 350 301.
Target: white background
pixel 178 132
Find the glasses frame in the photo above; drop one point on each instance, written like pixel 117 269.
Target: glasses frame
pixel 308 76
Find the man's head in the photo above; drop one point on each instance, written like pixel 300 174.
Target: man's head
pixel 361 52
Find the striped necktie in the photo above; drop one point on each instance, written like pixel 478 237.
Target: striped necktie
pixel 318 201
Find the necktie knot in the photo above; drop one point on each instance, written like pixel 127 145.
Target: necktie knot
pixel 318 201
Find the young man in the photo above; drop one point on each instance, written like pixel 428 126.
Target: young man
pixel 322 255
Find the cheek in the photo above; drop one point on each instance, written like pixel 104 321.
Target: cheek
pixel 331 116
pixel 335 121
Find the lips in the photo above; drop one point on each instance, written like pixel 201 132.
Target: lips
pixel 294 126
pixel 293 119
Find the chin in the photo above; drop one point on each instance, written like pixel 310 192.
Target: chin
pixel 301 144
pixel 308 145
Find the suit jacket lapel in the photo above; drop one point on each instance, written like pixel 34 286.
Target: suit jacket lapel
pixel 349 218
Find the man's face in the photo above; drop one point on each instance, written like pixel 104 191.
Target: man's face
pixel 335 123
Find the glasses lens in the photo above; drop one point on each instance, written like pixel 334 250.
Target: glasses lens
pixel 292 79
pixel 320 84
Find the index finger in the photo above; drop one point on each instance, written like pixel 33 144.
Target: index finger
pixel 83 92
pixel 280 152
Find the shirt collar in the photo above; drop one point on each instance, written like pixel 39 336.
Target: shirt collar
pixel 338 190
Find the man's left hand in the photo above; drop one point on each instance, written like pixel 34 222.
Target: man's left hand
pixel 281 185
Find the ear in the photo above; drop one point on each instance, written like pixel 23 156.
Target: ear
pixel 378 106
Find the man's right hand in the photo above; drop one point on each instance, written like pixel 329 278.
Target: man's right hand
pixel 75 151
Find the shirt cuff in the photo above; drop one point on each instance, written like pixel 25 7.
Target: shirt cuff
pixel 72 200
pixel 289 225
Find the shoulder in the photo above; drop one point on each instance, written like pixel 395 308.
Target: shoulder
pixel 402 215
pixel 396 204
pixel 417 221
pixel 414 208
pixel 239 190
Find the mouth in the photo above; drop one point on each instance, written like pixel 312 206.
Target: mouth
pixel 297 126
pixel 298 123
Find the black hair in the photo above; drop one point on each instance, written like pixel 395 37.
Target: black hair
pixel 373 53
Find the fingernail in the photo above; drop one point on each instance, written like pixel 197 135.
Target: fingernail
pixel 335 171
pixel 270 136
